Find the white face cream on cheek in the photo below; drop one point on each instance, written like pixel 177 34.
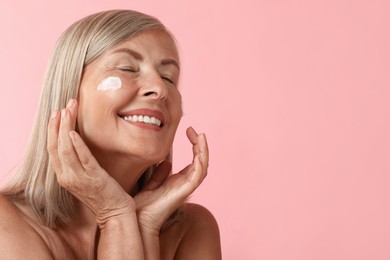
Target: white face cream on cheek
pixel 110 83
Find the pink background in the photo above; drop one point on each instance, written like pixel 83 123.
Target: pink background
pixel 293 96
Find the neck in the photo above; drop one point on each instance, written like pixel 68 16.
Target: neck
pixel 126 171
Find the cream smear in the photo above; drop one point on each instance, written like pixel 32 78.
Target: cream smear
pixel 110 83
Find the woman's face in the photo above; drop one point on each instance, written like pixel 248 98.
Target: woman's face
pixel 129 103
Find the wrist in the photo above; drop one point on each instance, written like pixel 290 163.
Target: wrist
pixel 116 217
pixel 151 241
pixel 147 226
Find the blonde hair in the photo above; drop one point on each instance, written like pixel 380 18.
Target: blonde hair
pixel 83 42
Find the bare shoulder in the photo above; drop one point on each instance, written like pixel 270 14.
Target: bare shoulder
pixel 18 238
pixel 198 234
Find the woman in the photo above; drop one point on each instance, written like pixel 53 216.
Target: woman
pixel 94 183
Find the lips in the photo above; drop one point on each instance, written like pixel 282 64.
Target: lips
pixel 144 116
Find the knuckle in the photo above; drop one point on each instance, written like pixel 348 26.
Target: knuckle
pixel 66 153
pixel 51 148
pixel 90 164
pixel 64 180
pixel 87 161
pixel 68 181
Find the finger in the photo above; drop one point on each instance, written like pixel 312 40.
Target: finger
pixel 72 106
pixel 200 171
pixel 66 150
pixel 85 156
pixel 52 140
pixel 159 176
pixel 194 174
pixel 193 137
pixel 203 150
pixel 200 146
pixel 197 171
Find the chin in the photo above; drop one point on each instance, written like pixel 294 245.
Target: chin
pixel 156 158
pixel 150 154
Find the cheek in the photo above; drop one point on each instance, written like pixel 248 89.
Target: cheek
pixel 177 105
pixel 96 101
pixel 112 92
pixel 110 84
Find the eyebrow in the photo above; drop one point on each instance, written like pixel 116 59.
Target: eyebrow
pixel 169 61
pixel 138 56
pixel 135 54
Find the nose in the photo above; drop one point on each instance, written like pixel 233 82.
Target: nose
pixel 154 87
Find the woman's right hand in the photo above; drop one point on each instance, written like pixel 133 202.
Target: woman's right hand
pixel 78 171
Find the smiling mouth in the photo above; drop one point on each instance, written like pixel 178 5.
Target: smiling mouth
pixel 149 120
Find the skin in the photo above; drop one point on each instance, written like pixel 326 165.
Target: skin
pixel 101 163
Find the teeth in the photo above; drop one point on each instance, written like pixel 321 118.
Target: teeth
pixel 144 119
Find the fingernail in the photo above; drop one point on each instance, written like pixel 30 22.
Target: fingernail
pixel 70 103
pixel 63 113
pixel 54 114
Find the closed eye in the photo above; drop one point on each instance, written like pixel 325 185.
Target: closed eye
pixel 168 79
pixel 128 69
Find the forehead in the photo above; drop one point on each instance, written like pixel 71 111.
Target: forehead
pixel 154 43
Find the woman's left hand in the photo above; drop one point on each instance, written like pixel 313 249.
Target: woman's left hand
pixel 164 193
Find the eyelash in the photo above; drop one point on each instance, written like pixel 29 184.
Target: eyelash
pixel 128 69
pixel 168 79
